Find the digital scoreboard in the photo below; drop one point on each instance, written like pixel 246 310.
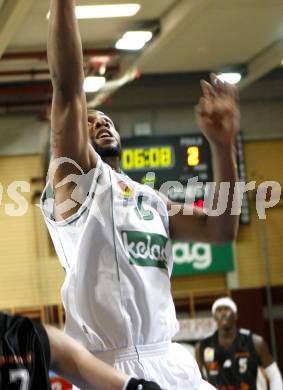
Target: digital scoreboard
pixel 169 163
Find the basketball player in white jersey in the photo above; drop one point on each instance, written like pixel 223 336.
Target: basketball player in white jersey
pixel 112 235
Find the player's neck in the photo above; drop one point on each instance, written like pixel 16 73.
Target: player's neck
pixel 226 336
pixel 114 163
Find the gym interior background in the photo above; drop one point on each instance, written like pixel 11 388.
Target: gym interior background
pixel 154 89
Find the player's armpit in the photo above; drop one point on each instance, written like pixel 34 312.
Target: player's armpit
pixel 185 222
pixel 191 223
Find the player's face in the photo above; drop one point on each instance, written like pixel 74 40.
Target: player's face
pixel 104 137
pixel 225 317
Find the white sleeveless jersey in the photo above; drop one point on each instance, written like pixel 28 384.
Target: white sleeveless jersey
pixel 118 260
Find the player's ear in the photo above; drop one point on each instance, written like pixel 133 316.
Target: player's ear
pixel 90 130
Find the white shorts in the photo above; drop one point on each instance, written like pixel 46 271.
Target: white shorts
pixel 168 364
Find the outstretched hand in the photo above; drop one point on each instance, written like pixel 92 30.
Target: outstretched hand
pixel 218 114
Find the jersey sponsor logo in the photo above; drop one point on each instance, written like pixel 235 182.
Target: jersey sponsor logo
pixel 145 249
pixel 208 354
pixel 142 212
pixel 126 191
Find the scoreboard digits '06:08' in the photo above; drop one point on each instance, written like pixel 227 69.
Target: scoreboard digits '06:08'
pixel 158 157
pixel 147 157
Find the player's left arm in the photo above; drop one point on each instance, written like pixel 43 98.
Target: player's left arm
pixel 218 117
pixel 267 362
pixel 73 362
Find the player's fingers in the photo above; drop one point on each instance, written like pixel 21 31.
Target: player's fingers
pixel 219 86
pixel 199 112
pixel 235 93
pixel 205 107
pixel 201 105
pixel 228 90
pixel 223 107
pixel 222 88
pixel 207 89
pixel 215 81
pixel 197 109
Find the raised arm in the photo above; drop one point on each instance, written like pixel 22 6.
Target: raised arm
pixel 219 119
pixel 69 120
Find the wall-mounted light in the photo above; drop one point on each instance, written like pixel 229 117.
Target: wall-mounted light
pixel 106 11
pixel 230 77
pixel 134 40
pixel 93 83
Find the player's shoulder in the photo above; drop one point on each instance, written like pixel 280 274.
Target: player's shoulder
pixel 244 332
pixel 8 321
pixel 18 334
pixel 245 336
pixel 257 339
pixel 2 317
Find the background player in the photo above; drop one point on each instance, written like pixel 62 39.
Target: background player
pixel 27 350
pixel 115 247
pixel 231 357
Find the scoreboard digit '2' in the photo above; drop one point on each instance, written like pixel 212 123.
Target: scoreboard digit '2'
pixel 176 159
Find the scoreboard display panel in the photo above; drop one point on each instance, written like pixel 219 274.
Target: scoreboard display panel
pixel 169 163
